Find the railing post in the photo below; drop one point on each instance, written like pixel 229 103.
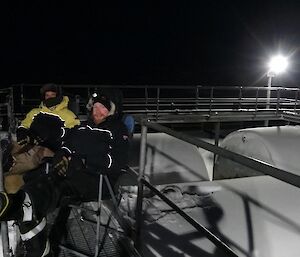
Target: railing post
pixel 139 203
pixel 211 99
pixel 197 97
pixel 217 137
pixel 10 113
pixel 256 100
pixel 157 102
pixel 4 230
pixel 146 99
pixel 278 101
pixel 240 97
pixel 296 100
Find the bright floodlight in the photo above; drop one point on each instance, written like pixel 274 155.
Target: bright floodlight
pixel 278 64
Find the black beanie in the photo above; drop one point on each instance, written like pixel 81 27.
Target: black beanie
pixel 103 99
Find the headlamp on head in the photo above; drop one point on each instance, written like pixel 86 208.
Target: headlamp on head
pixel 103 99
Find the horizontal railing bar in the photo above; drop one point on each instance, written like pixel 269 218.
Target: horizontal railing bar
pixel 255 164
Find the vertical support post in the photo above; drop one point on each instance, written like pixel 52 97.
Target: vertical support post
pixel 10 114
pixel 22 98
pixel 146 97
pixel 256 100
pixel 139 203
pixel 157 102
pixel 296 100
pixel 270 76
pixel 240 97
pixel 77 104
pixel 99 216
pixel 217 137
pixel 4 229
pixel 197 97
pixel 278 101
pixel 211 99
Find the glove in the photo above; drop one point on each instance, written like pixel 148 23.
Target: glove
pixel 22 136
pixel 62 166
pixel 35 140
pixel 61 163
pixel 24 141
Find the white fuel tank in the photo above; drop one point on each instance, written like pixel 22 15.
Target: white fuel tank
pixel 278 146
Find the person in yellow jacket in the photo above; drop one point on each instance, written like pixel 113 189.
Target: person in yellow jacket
pixel 40 134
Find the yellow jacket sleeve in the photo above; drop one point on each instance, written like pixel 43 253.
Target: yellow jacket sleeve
pixel 29 118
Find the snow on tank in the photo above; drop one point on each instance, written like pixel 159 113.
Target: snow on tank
pixel 278 146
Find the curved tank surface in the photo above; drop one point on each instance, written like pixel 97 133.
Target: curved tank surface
pixel 278 146
pixel 170 160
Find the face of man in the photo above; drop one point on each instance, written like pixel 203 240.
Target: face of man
pixel 100 112
pixel 50 94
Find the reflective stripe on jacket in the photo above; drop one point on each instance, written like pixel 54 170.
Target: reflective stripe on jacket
pixel 68 117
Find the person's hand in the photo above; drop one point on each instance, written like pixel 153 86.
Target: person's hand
pixel 35 140
pixel 61 167
pixel 22 136
pixel 61 164
pixel 23 141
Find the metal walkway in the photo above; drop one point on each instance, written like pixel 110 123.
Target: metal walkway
pixel 80 236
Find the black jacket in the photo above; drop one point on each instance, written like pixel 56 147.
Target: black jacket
pixel 102 148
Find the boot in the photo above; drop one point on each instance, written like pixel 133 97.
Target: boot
pixel 34 238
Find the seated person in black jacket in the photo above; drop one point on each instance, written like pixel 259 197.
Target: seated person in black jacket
pixel 99 146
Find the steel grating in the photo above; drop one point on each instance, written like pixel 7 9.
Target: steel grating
pixel 80 236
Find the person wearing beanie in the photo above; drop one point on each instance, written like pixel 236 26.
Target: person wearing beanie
pixel 39 135
pixel 98 146
pixel 51 95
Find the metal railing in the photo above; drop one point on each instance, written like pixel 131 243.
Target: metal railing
pixel 155 105
pixel 258 165
pixel 161 100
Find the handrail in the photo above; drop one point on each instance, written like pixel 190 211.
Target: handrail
pixel 258 165
pixel 159 99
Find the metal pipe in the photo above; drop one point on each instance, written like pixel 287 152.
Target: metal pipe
pixel 157 102
pixel 270 76
pixel 193 222
pixel 296 100
pixel 139 203
pixel 217 136
pixel 211 99
pixel 278 101
pixel 4 229
pixel 258 165
pixel 99 215
pixel 256 100
pixel 240 97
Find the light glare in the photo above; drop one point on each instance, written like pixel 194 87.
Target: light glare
pixel 278 64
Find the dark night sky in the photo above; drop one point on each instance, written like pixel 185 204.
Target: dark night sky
pixel 213 42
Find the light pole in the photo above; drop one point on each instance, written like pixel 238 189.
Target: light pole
pixel 270 75
pixel 277 64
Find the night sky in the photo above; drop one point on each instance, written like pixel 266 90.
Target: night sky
pixel 211 42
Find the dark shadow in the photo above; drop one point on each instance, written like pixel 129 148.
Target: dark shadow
pixel 166 178
pixel 155 151
pixel 162 240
